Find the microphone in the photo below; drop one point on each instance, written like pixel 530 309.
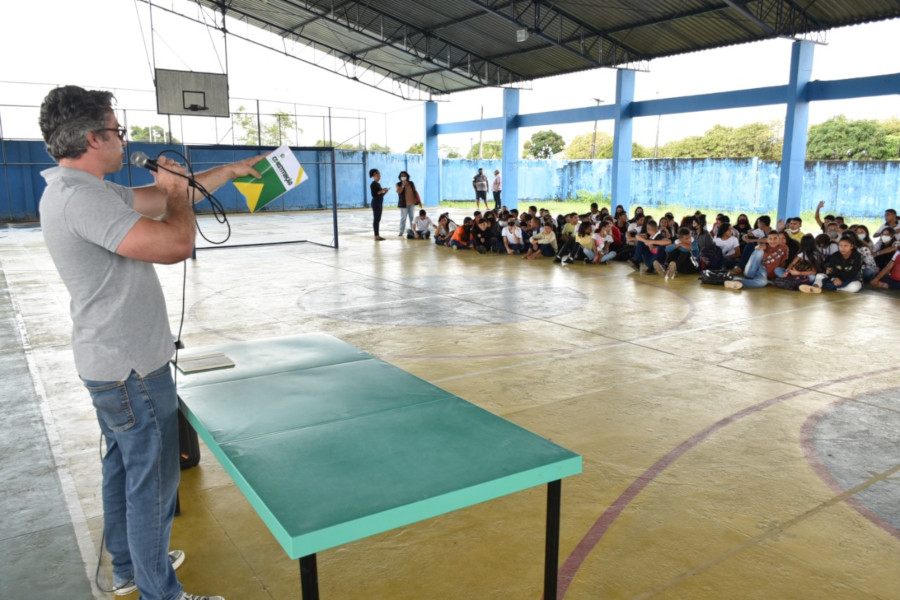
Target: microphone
pixel 140 159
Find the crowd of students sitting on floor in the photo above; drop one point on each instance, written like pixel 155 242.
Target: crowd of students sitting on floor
pixel 842 257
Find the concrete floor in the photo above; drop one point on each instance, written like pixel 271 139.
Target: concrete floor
pixel 735 444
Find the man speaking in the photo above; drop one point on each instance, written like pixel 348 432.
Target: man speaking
pixel 103 239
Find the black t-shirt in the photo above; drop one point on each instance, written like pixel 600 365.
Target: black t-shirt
pixel 376 188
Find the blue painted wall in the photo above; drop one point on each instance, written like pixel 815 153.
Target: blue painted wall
pixel 861 188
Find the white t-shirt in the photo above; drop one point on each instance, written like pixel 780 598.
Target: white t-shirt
pixel 422 225
pixel 728 246
pixel 512 236
pixel 602 240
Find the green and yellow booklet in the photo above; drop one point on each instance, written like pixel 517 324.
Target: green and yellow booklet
pixel 281 172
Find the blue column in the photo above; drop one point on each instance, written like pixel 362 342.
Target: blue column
pixel 432 188
pixel 510 165
pixel 621 170
pixel 796 125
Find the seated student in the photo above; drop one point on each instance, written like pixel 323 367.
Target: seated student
pixel 792 228
pixel 760 231
pixel 889 276
pixel 543 243
pixel 667 226
pixel 494 231
pixel 603 242
pixel 581 247
pixel 482 237
pixel 826 245
pixel 567 233
pixel 685 255
pixel 809 260
pixel 648 249
pixel 444 230
pixel 769 254
pixel 421 227
pixel 742 228
pixel 842 271
pixel 635 227
pixel 531 227
pixel 885 242
pixel 595 214
pixel 511 238
pixel 462 236
pixel 890 222
pixel 728 244
pixel 869 266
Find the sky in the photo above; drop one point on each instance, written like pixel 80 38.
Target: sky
pixel 111 47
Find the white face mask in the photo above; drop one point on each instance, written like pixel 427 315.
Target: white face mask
pixel 833 235
pixel 862 235
pixel 404 178
pixel 793 230
pixel 887 239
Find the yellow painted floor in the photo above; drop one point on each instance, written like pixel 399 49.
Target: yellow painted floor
pixel 736 444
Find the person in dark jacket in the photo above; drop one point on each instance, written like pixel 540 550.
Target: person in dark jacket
pixel 842 271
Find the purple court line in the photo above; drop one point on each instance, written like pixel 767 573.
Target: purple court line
pixel 574 561
pixel 806 441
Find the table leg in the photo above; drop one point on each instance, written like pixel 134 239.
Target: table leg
pixel 309 577
pixel 551 554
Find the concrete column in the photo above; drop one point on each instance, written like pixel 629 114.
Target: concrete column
pixel 510 165
pixel 796 125
pixel 432 187
pixel 621 170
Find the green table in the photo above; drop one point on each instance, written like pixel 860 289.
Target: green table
pixel 330 445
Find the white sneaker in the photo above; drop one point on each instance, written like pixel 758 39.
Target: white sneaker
pixel 733 285
pixel 176 557
pixel 810 289
pixel 186 596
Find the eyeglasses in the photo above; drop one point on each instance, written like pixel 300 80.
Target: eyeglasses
pixel 120 131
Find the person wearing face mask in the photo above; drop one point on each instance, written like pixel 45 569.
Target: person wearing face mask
pixel 409 200
pixel 793 229
pixel 864 246
pixel 884 246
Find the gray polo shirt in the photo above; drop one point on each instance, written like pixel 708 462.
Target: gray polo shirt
pixel 118 310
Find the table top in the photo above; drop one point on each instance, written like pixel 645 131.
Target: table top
pixel 330 444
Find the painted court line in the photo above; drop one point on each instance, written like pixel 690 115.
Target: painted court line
pixel 590 540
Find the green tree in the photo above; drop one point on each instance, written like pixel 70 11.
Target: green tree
pixel 417 148
pixel 339 145
pixel 839 138
pixel 543 144
pixel 277 129
pixel 580 146
pixel 492 149
pixel 154 133
pixel 450 152
pixel 375 147
pixel 753 139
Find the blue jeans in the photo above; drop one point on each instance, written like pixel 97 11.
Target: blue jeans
pixel 410 213
pixel 141 470
pixel 643 254
pixel 755 274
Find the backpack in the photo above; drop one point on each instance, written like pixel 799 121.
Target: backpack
pixel 711 258
pixel 715 277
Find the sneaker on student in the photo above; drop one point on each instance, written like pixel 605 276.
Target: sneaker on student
pixel 810 289
pixel 587 261
pixel 733 285
pixel 670 271
pixel 186 596
pixel 176 557
pixel 635 265
pixel 557 260
pixel 568 260
pixel 659 268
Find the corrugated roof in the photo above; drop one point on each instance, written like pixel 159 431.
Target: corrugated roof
pixel 435 47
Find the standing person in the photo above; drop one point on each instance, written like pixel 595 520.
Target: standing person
pixel 378 193
pixel 408 200
pixel 496 188
pixel 103 239
pixel 480 185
